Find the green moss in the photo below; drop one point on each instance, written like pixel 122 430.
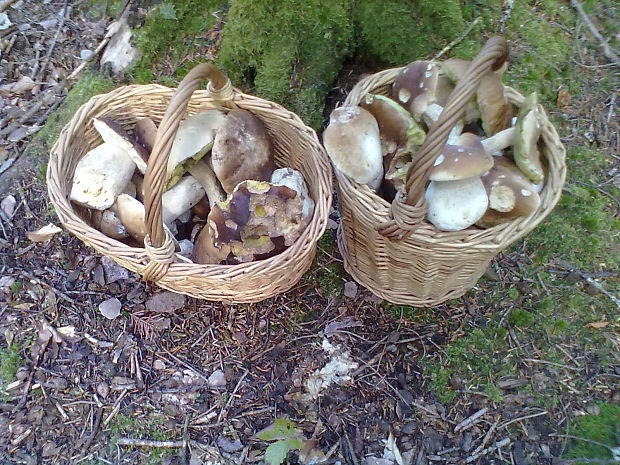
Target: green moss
pixel 99 9
pixel 89 85
pixel 602 428
pixel 326 275
pixel 288 51
pixel 174 38
pixel 520 317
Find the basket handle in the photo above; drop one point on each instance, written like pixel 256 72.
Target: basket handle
pixel 156 242
pixel 409 207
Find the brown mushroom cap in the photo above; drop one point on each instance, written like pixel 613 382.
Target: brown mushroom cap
pixel 415 86
pixel 131 213
pixel 461 161
pixel 145 132
pixel 396 125
pixel 242 150
pixel 511 194
pixel 528 130
pixel 495 111
pixel 353 143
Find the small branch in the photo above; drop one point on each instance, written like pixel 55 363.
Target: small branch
pixel 609 53
pixel 468 422
pixel 456 41
pixel 50 49
pixel 506 12
pixel 591 441
pixel 148 443
pixel 526 417
pixel 497 445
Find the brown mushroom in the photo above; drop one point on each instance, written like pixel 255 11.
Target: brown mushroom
pixel 462 160
pixel 528 130
pixel 113 133
pixel 145 132
pixel 415 86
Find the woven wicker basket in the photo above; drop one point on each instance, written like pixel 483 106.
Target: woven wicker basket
pixel 390 249
pixel 295 146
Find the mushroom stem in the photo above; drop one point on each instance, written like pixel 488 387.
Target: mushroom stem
pixel 203 173
pixel 431 115
pixel 498 142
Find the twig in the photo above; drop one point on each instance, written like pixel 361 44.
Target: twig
pixel 591 441
pixel 507 11
pixel 468 422
pixel 232 395
pixel 148 443
pixel 50 49
pixel 4 4
pixel 497 445
pixel 602 290
pixel 609 53
pixel 526 417
pixel 448 47
pixel 545 362
pixel 486 439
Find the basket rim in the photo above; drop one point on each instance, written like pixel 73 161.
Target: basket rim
pixel 496 237
pixel 99 241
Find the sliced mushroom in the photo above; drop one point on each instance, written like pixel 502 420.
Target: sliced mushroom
pixel 242 150
pixel 528 130
pixel 294 179
pixel 464 159
pixel 456 205
pixel 495 110
pixel 352 141
pixel 511 194
pixel 101 175
pixel 194 138
pixel 113 133
pixel 397 127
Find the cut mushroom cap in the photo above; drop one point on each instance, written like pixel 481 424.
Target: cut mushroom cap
pixel 415 86
pixel 242 150
pixel 101 175
pixel 353 143
pixel 511 194
pixel 194 138
pixel 456 205
pixel 294 179
pixel 397 127
pixel 528 130
pixel 113 133
pixel 462 160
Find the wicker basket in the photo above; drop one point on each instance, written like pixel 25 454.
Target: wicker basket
pixel 390 249
pixel 295 146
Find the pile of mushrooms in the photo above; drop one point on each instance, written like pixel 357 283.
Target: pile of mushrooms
pixel 489 171
pixel 224 201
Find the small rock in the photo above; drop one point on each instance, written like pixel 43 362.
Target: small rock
pixel 113 271
pixel 159 365
pixel 86 54
pixel 217 379
pixel 165 302
pixel 593 409
pixel 99 275
pixel 8 206
pixel 350 289
pixel 6 282
pixel 110 308
pixel 102 389
pixel 229 446
pixel 5 22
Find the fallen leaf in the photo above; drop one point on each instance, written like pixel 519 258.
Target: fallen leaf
pixel 336 326
pixel 110 308
pixel 598 324
pixel 44 234
pixel 23 85
pixel 165 302
pixel 564 98
pixel 229 446
pixel 6 282
pixel 5 22
pixel 8 206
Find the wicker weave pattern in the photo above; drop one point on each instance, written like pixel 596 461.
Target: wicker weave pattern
pixel 429 266
pixel 295 145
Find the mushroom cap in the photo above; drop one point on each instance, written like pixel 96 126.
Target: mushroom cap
pixel 528 130
pixel 495 111
pixel 131 213
pixel 461 161
pixel 101 175
pixel 194 138
pixel 456 205
pixel 204 249
pixel 295 180
pixel 511 194
pixel 397 170
pixel 145 132
pixel 415 86
pixel 352 141
pixel 396 125
pixel 242 150
pixel 113 133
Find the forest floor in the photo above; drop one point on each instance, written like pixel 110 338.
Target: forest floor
pixel 522 370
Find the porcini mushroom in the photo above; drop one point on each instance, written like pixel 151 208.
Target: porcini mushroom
pixel 109 224
pixel 180 199
pixel 352 141
pixel 456 205
pixel 397 127
pixel 242 150
pixel 294 179
pixel 113 133
pixel 528 129
pixel 511 194
pixel 131 213
pixel 194 138
pixel 463 159
pixel 101 175
pixel 203 173
pixel 415 86
pixel 145 132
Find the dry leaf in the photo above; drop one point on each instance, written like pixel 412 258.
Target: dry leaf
pixel 44 234
pixel 598 324
pixel 22 86
pixel 8 206
pixel 165 302
pixel 564 98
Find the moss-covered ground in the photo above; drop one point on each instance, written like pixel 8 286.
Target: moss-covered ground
pixel 542 314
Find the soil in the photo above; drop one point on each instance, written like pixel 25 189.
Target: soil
pixel 200 379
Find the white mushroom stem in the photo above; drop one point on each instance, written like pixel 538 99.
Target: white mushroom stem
pixel 503 139
pixel 181 198
pixel 432 114
pixel 203 173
